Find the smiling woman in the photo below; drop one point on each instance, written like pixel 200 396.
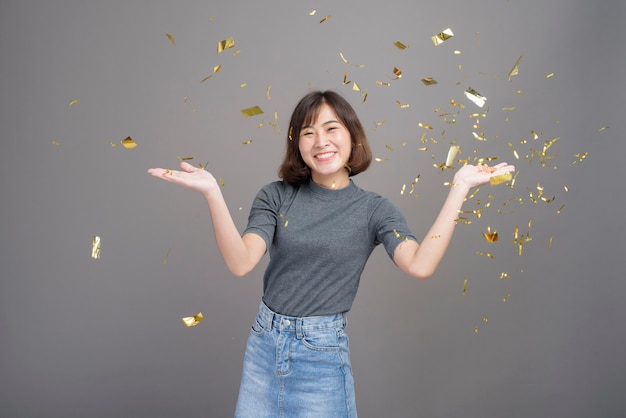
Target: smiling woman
pixel 319 229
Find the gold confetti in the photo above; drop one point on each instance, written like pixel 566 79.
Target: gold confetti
pixel 560 209
pixel 457 52
pixel 475 330
pixel 128 143
pixel 429 81
pixel 312 12
pixel 485 319
pixel 171 38
pixel 356 87
pixel 380 160
pixel 475 97
pixel 397 72
pixel 389 147
pixel 167 254
pixel 383 83
pixel 504 275
pixel 490 237
pixel 248 142
pixel 550 75
pixel 515 69
pixel 75 101
pixel 550 243
pixel 506 297
pixel 402 105
pixel 325 19
pixel 215 71
pixel 56 143
pixel 95 247
pixel 400 45
pixel 500 178
pixel 252 111
pixel 442 37
pixel 267 92
pixel 604 128
pixel 399 236
pixel 452 153
pixel 464 287
pixel 192 321
pixel 222 182
pixel 435 236
pixel 425 126
pixel 114 144
pixel 184 158
pixel 225 44
pixel 480 253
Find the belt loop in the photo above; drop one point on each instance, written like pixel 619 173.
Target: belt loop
pixel 270 321
pixel 299 331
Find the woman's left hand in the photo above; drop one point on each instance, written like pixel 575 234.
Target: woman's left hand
pixel 474 176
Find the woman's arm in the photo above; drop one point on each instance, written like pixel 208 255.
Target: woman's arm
pixel 421 260
pixel 241 254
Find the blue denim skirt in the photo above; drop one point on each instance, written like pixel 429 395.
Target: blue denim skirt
pixel 296 367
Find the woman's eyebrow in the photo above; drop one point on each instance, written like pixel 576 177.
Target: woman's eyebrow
pixel 323 124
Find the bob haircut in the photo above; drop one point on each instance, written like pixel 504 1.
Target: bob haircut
pixel 293 169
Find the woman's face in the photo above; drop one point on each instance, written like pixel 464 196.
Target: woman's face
pixel 325 147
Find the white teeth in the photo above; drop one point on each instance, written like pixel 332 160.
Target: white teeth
pixel 326 155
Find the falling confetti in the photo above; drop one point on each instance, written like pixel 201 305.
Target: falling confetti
pixel 95 247
pixel 75 101
pixel 192 321
pixel 442 36
pixel 171 38
pixel 464 287
pixel 252 111
pixel 429 81
pixel 325 19
pixel 225 44
pixel 128 143
pixel 515 69
pixel 475 97
pixel 490 237
pixel 400 45
pixel 500 178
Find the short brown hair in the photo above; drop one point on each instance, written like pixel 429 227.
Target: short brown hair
pixel 293 169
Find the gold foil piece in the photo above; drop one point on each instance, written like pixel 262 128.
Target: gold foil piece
pixel 490 237
pixel 485 319
pixel 400 45
pixel 56 143
pixel 192 321
pixel 312 12
pixel 225 44
pixel 171 38
pixel 604 128
pixel 95 247
pixel 252 111
pixel 423 125
pixel 550 75
pixel 504 275
pixel 506 297
pixel 515 69
pixel 73 102
pixel 489 255
pixel 380 160
pixel 128 143
pixel 383 83
pixel 325 19
pixel 441 37
pixel 397 72
pixel 464 287
pixel 356 87
pixel 248 142
pixel 184 158
pixel 429 81
pixel 402 105
pixel 500 178
pixel 475 330
pixel 452 153
pixel 475 97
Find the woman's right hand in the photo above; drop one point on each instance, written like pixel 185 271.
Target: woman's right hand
pixel 191 177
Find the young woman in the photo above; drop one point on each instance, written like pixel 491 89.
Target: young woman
pixel 319 228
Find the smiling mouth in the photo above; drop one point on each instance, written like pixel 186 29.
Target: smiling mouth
pixel 325 155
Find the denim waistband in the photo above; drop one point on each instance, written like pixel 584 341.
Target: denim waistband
pixel 272 319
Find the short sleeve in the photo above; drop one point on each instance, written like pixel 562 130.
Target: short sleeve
pixel 265 212
pixel 390 226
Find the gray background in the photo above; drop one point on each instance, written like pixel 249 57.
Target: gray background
pixel 94 338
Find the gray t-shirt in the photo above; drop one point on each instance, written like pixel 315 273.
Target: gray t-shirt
pixel 319 241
